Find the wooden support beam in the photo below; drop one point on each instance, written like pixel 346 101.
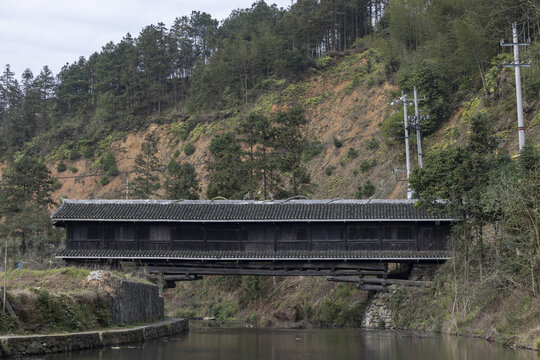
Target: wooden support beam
pixel 178 277
pixel 282 265
pixel 166 271
pixel 380 281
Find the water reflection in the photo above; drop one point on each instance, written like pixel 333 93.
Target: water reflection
pixel 312 344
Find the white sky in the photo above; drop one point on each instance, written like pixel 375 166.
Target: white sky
pixel 34 33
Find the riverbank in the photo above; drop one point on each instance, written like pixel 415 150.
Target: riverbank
pixel 75 300
pixel 479 309
pixel 22 345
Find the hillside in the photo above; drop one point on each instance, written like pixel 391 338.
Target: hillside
pixel 342 101
pixel 274 103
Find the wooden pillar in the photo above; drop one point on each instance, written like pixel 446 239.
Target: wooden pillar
pixel 102 242
pixel 205 239
pixel 381 234
pixel 346 240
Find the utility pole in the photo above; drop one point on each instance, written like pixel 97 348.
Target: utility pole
pixel 127 187
pixel 417 124
pixel 403 100
pixel 517 65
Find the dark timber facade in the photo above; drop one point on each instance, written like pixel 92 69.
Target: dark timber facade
pixel 280 237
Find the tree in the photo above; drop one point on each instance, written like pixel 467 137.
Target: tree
pixel 147 183
pixel 227 173
pixel 24 196
pixel 181 181
pixel 511 197
pixel 288 144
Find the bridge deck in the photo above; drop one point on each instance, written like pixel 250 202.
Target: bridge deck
pixel 251 256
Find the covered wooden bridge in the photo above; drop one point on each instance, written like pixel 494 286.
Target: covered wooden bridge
pixel 186 239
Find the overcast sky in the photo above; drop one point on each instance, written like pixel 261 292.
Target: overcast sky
pixel 34 33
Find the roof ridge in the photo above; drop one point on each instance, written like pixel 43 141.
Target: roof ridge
pixel 238 202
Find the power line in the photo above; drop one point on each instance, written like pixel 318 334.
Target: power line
pixel 100 174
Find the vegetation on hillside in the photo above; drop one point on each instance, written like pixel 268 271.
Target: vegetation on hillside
pixel 242 83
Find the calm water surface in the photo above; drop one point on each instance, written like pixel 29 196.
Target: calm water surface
pixel 312 344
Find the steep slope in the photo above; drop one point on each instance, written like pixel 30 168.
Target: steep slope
pixel 345 102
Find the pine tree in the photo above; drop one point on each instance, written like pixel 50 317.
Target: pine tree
pixel 181 181
pixel 147 183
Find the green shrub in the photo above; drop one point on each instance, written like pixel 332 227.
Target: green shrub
pixel 365 165
pixel 74 154
pixel 251 285
pixel 313 149
pixel 352 153
pixel 372 144
pixel 329 170
pixel 88 153
pixel 73 169
pixel 104 180
pixel 189 149
pixel 229 282
pixel 61 167
pixel 337 142
pixel 56 184
pixel 108 163
pixel 392 126
pixel 176 153
pixel 363 191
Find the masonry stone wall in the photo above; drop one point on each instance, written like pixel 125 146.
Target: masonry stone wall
pixel 378 313
pixel 134 302
pixel 44 344
pixel 130 302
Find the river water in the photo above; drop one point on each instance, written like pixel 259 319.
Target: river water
pixel 309 344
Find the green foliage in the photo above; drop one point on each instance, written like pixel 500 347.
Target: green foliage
pixel 107 162
pixel 189 149
pixel 104 180
pixel 229 282
pixel 251 286
pixel 431 82
pixel 480 189
pixel 372 144
pixel 337 142
pixel 74 154
pixel 313 149
pixel 147 183
pixel 392 126
pixel 329 170
pixel 181 181
pixel 366 165
pixel 73 169
pixel 273 152
pixel 352 153
pixel 226 173
pixel 181 130
pixel 61 167
pixel 61 312
pixel 364 191
pixel 176 153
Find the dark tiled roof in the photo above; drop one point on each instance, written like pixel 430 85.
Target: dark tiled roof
pixel 241 211
pixel 252 255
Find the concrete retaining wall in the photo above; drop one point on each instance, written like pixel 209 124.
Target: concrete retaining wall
pixel 43 344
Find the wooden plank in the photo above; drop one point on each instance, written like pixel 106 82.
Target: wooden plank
pixel 380 281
